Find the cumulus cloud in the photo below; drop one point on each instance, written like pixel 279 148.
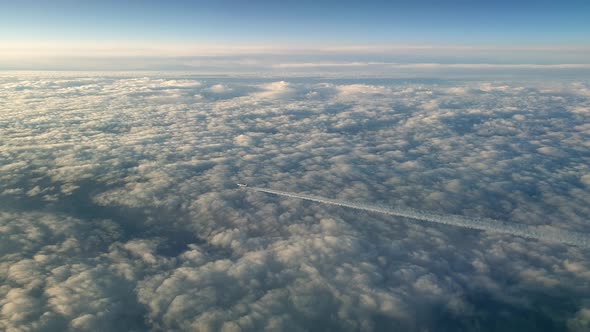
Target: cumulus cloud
pixel 218 88
pixel 120 213
pixel 280 89
pixel 497 226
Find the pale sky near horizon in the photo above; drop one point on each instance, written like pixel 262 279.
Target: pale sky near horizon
pixel 41 33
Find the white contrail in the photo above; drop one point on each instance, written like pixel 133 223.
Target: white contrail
pixel 536 232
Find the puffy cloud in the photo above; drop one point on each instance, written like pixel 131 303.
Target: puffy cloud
pixel 581 322
pixel 120 208
pixel 219 88
pixel 280 89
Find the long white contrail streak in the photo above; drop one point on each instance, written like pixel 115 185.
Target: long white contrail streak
pixel 536 232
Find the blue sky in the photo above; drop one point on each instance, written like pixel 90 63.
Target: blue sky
pixel 95 35
pixel 422 21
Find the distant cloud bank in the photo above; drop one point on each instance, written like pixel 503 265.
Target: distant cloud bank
pixel 276 58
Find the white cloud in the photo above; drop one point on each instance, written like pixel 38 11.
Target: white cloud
pixel 219 88
pixel 291 59
pixel 275 90
pixel 146 231
pixel 581 321
pixel 361 89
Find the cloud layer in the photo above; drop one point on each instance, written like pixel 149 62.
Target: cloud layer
pixel 120 213
pixel 304 60
pixel 491 225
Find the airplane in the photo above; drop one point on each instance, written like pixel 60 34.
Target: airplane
pixel 242 184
